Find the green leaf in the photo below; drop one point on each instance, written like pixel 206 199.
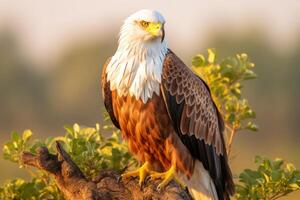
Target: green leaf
pixel 245 178
pixel 277 163
pixel 251 126
pixel 276 175
pixel 236 92
pixel 76 128
pixel 15 136
pixel 26 135
pixel 198 61
pixel 290 167
pixel 249 75
pixel 295 186
pixel 211 55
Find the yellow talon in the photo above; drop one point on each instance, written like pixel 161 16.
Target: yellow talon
pixel 165 176
pixel 141 173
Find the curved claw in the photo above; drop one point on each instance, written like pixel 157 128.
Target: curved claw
pixel 142 172
pixel 165 176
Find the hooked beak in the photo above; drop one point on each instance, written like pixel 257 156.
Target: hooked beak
pixel 156 30
pixel 163 34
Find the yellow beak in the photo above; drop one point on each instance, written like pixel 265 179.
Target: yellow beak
pixel 155 29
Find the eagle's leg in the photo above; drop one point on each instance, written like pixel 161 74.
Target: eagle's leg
pixel 165 176
pixel 141 172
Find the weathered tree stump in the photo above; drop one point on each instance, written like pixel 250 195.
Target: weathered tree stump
pixel 75 186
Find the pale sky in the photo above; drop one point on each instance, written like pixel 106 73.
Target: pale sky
pixel 45 25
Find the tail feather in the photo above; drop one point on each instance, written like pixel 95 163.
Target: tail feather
pixel 200 185
pixel 198 195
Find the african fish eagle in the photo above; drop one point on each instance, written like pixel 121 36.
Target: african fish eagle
pixel 165 111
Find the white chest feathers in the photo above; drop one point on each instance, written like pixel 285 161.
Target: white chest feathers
pixel 136 69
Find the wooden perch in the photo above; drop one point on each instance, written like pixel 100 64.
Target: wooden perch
pixel 75 186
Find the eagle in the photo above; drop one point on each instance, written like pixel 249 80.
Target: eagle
pixel 165 112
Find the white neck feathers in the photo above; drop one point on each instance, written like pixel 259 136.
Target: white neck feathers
pixel 136 67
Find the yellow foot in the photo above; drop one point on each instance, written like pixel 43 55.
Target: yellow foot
pixel 142 172
pixel 165 176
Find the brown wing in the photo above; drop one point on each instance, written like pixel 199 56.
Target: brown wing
pixel 106 94
pixel 197 120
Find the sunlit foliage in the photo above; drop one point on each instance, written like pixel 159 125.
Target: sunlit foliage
pixel 87 147
pixel 271 180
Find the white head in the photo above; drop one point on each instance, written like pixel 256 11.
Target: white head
pixel 136 67
pixel 144 26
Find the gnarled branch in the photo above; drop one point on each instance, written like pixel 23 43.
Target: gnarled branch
pixel 106 186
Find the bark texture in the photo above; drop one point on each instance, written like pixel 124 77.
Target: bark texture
pixel 107 186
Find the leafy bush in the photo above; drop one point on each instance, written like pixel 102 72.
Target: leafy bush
pixel 271 180
pixel 87 147
pixel 41 187
pixel 93 152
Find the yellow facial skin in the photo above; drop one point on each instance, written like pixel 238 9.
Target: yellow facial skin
pixel 153 28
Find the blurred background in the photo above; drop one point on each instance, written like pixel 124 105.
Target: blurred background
pixel 51 53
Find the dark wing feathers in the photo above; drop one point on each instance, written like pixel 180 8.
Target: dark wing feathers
pixel 199 115
pixel 197 121
pixel 107 97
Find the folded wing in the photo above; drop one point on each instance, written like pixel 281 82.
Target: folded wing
pixel 197 121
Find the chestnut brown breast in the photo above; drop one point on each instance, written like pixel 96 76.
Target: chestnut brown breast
pixel 150 134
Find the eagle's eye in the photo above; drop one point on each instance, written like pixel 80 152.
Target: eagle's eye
pixel 144 24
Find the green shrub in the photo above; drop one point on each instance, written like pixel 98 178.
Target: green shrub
pixel 87 147
pixel 271 180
